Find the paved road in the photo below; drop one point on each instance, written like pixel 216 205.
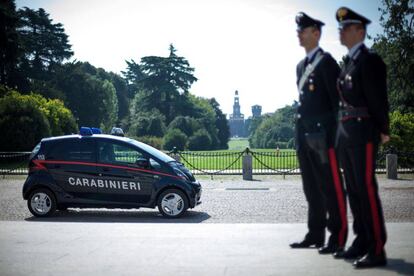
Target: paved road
pixel 64 248
pixel 242 228
pixel 225 200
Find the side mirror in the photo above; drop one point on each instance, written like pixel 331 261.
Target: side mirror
pixel 142 163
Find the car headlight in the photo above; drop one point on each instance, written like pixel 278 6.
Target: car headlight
pixel 180 174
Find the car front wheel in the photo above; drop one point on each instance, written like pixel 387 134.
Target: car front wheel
pixel 41 203
pixel 172 203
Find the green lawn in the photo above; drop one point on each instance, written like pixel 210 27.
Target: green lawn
pixel 238 144
pixel 232 159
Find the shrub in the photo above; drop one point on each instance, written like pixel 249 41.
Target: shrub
pixel 174 138
pixel 201 140
pixel 153 141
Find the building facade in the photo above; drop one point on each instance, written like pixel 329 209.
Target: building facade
pixel 238 125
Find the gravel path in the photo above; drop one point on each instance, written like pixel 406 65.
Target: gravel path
pixel 226 199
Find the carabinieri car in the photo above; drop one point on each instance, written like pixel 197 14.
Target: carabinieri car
pixel 97 170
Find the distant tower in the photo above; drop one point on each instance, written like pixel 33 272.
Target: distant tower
pixel 236 105
pixel 256 111
pixel 236 120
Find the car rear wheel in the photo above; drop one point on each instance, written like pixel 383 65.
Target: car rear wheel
pixel 41 203
pixel 172 203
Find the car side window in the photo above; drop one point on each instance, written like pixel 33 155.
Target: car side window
pixel 73 150
pixel 114 153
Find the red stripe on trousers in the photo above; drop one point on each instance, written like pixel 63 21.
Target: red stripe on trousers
pixel 371 197
pixel 339 195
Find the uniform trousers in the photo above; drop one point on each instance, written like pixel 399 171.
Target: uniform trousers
pixel 359 162
pixel 324 192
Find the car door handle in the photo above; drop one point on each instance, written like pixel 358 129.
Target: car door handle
pixel 106 169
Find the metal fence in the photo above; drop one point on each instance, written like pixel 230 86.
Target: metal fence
pixel 14 163
pixel 222 162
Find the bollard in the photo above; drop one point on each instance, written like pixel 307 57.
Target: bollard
pixel 177 157
pixel 247 167
pixel 391 164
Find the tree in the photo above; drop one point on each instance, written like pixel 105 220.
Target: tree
pixel 133 76
pixel 25 119
pixel 164 81
pixel 402 132
pixel 274 129
pixel 92 100
pixel 174 138
pixel 395 45
pixel 186 124
pixel 222 126
pixel 61 120
pixel 201 140
pixel 43 43
pixel 9 46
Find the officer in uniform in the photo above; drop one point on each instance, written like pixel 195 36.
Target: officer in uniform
pixel 315 135
pixel 363 125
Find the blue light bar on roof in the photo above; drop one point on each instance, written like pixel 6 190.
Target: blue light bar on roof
pixel 85 131
pixel 96 130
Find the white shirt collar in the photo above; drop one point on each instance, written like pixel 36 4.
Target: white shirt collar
pixel 312 53
pixel 354 48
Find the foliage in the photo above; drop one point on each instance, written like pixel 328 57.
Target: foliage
pixel 186 124
pixel 92 99
pixel 275 130
pixel 153 141
pixel 163 81
pixel 201 140
pixel 174 138
pixel 222 126
pixel 395 46
pixel 147 124
pixel 61 120
pixel 9 49
pixel 26 119
pixel 402 132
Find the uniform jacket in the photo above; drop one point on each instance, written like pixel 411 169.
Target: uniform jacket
pixel 318 100
pixel 362 84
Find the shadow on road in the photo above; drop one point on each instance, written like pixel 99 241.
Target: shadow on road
pixel 110 216
pixel 400 266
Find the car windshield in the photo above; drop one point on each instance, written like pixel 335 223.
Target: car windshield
pixel 153 151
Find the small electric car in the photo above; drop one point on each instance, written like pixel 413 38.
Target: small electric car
pixel 105 171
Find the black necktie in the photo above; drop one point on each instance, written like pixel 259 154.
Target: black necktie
pixel 306 61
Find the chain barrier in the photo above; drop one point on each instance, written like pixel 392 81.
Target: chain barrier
pixel 202 170
pixel 13 163
pixel 274 155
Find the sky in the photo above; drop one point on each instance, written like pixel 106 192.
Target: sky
pixel 246 45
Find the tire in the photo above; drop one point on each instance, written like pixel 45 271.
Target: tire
pixel 41 203
pixel 172 203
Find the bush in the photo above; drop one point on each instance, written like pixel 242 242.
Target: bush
pixel 201 140
pixel 174 138
pixel 153 141
pixel 22 123
pixel 186 124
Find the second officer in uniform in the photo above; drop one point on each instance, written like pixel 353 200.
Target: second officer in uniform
pixel 315 130
pixel 364 124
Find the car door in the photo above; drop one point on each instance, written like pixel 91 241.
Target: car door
pixel 121 179
pixel 71 163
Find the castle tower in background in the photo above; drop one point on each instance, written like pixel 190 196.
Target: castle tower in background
pixel 256 111
pixel 239 127
pixel 236 120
